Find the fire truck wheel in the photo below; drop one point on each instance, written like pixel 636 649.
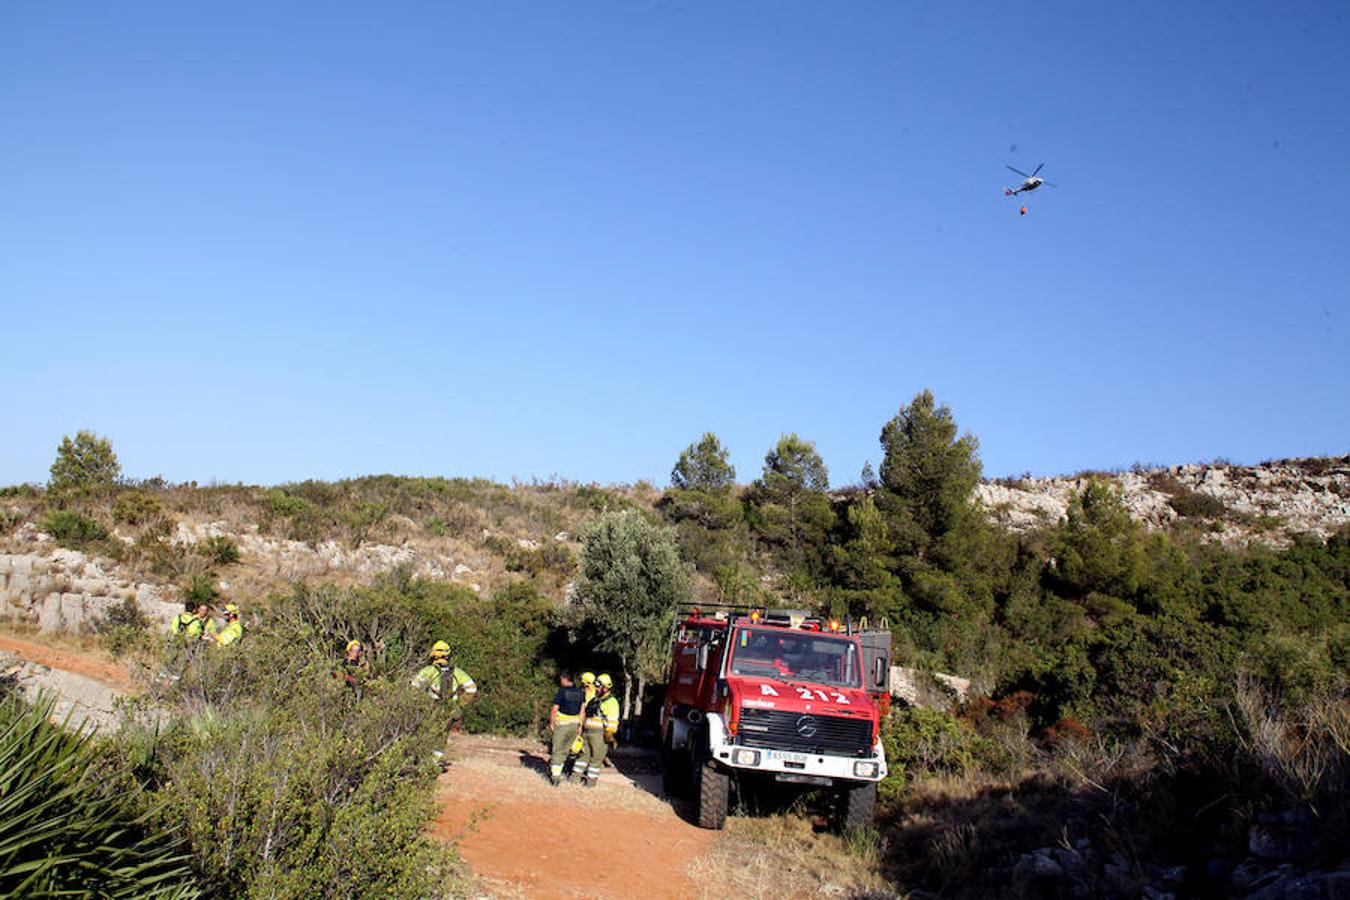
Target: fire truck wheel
pixel 857 804
pixel 712 788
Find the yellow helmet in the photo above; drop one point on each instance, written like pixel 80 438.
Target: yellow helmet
pixel 588 678
pixel 605 681
pixel 232 609
pixel 353 645
pixel 440 648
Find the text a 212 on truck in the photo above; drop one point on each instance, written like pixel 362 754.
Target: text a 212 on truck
pixel 777 700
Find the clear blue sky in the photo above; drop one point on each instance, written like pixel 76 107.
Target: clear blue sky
pixel 266 242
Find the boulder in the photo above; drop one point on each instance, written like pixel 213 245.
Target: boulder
pixel 49 614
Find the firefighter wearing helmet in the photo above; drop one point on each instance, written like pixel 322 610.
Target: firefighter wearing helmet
pixel 579 745
pixel 233 629
pixel 445 682
pixel 355 668
pixel 599 729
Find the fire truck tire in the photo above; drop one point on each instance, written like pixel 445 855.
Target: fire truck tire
pixel 857 804
pixel 712 790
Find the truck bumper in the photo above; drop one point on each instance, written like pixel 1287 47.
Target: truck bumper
pixel 810 768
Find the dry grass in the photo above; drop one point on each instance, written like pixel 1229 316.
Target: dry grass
pixel 1304 751
pixel 784 856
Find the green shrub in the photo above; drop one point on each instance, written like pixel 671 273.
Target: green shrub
pixel 200 588
pixel 1187 502
pixel 549 557
pixel 153 551
pixel 68 830
pixel 136 508
pixel 125 627
pixel 502 641
pixel 283 504
pixel 220 550
pixel 921 741
pixel 1195 505
pixel 312 793
pixel 72 530
pixel 359 522
pixel 288 784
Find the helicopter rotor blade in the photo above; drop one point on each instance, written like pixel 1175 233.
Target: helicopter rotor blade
pixel 1049 184
pixel 1020 172
pixel 1037 170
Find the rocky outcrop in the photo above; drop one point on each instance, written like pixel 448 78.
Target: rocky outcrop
pixel 296 560
pixel 935 690
pixel 65 590
pixel 1268 502
pixel 79 700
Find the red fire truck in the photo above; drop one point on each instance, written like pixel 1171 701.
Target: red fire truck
pixel 776 697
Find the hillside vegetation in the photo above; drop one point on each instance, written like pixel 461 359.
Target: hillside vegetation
pixel 1155 708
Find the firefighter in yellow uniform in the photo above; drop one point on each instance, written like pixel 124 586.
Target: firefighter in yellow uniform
pixel 579 745
pixel 233 630
pixel 188 623
pixel 599 729
pixel 190 626
pixel 446 682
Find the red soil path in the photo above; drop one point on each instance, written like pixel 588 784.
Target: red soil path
pixel 110 674
pixel 523 838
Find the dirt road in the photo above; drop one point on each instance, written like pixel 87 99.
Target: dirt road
pixel 523 838
pixel 85 687
pixel 105 673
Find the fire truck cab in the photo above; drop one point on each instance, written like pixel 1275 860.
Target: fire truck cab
pixel 778 697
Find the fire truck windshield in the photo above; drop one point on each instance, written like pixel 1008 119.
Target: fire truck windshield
pixel 795 656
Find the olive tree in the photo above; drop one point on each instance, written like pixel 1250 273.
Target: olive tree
pixel 631 579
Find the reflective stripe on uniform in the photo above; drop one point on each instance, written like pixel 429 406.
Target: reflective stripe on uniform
pixel 606 715
pixel 232 632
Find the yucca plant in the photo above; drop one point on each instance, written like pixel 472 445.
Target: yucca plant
pixel 66 833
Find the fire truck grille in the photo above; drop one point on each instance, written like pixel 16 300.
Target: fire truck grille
pixel 780 730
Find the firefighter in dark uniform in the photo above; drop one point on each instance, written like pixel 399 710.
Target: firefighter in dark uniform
pixel 565 717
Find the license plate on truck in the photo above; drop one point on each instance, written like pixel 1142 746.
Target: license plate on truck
pixel 785 756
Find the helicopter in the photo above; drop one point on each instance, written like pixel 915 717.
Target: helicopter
pixel 1030 183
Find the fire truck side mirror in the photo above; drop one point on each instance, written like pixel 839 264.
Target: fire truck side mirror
pixel 879 672
pixel 701 661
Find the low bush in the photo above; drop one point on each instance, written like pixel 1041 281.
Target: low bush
pixel 124 628
pixel 361 520
pixel 1187 502
pixel 136 508
pixel 311 792
pixel 219 550
pixel 283 504
pixel 72 530
pixel 200 588
pixel 289 784
pixel 921 741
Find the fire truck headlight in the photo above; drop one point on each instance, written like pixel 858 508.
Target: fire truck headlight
pixel 746 757
pixel 865 769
